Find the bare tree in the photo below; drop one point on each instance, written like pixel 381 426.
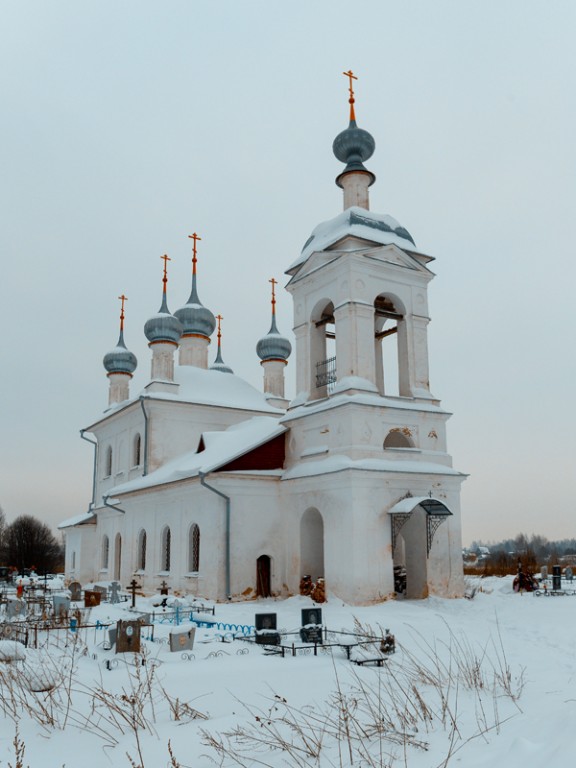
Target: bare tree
pixel 31 544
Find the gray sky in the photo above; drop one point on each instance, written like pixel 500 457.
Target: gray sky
pixel 128 125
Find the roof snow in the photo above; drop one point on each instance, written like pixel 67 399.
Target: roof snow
pixel 359 222
pixel 220 448
pixel 340 463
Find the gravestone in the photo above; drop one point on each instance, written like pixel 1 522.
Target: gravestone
pixel 103 591
pixel 266 633
pixel 75 590
pixel 569 574
pixel 91 598
pixel 556 578
pixel 311 631
pixel 128 637
pixel 15 607
pixel 544 572
pixel 182 641
pixel 115 592
pixel 61 606
pixel 112 632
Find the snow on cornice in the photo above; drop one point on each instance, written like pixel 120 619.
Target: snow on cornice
pixel 341 463
pixel 358 222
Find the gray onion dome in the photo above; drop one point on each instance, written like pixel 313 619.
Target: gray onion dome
pixel 220 365
pixel 195 318
pixel 119 359
pixel 353 146
pixel 273 346
pixel 163 326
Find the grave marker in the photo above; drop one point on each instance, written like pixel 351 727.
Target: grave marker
pixel 266 633
pixel 128 637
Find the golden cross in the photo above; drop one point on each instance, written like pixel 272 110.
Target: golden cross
pixel 274 284
pixel 195 238
pixel 166 259
pixel 122 299
pixel 351 76
pixel 219 318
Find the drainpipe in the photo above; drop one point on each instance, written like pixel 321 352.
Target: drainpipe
pixel 202 475
pixel 95 444
pixel 145 468
pixel 105 500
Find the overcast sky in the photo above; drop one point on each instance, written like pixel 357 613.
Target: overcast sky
pixel 127 125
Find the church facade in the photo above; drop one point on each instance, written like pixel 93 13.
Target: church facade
pixel 218 490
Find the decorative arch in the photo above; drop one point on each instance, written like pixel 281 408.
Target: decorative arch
pixel 399 438
pixel 391 348
pixel 141 553
pixel 194 548
pixel 105 553
pixel 322 348
pixel 312 544
pixel 166 541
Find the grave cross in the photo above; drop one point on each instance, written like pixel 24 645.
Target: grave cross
pixel 115 592
pixel 164 588
pixel 132 587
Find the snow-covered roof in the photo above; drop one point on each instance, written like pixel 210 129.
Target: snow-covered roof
pixel 220 448
pixel 85 517
pixel 205 387
pixel 358 222
pixel 340 463
pixel 431 505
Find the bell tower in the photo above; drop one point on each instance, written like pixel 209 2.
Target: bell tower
pixel 365 430
pixel 360 292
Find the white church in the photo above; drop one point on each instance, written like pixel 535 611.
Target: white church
pixel 207 485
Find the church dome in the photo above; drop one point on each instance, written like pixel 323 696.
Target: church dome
pixel 196 319
pixel 273 346
pixel 220 365
pixel 353 146
pixel 120 359
pixel 163 326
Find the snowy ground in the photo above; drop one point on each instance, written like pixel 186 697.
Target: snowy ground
pixel 489 678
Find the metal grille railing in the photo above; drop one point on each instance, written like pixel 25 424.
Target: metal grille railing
pixel 326 374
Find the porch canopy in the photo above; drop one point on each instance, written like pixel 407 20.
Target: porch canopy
pixel 436 514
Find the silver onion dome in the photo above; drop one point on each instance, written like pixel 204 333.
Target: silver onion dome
pixel 273 346
pixel 120 359
pixel 353 146
pixel 196 319
pixel 163 326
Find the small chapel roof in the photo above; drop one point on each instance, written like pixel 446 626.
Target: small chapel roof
pixel 220 448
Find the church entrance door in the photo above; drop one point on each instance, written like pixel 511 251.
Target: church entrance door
pixel 263 587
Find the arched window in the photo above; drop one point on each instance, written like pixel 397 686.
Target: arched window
pixel 390 346
pixel 397 438
pixel 141 564
pixel 194 549
pixel 108 464
pixel 323 349
pixel 136 450
pixel 105 552
pixel 165 553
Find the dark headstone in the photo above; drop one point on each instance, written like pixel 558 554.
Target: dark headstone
pixel 75 590
pixel 266 633
pixel 311 631
pixel 128 637
pixel 556 577
pixel 91 598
